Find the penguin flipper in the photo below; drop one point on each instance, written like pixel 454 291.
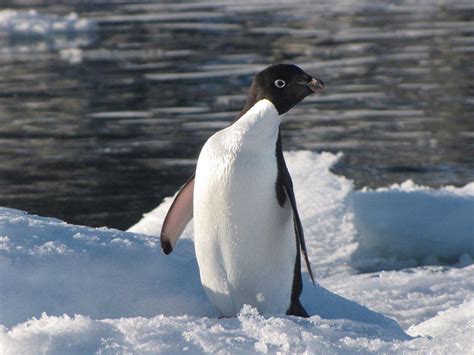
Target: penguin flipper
pixel 178 216
pixel 284 178
pixel 298 226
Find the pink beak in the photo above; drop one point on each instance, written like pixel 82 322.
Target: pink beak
pixel 316 85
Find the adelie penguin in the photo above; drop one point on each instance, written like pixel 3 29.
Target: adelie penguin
pixel 247 232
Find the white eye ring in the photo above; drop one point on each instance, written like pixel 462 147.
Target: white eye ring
pixel 279 83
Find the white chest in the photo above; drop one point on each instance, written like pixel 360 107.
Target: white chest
pixel 245 242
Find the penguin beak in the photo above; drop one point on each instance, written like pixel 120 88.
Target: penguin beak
pixel 316 85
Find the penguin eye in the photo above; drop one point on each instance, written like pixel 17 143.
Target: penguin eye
pixel 279 83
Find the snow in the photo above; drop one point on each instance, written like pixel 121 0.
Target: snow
pixel 451 330
pixel 445 322
pixel 419 225
pixel 74 289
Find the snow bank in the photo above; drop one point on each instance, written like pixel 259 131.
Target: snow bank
pixel 50 266
pixel 407 225
pixel 33 23
pixel 69 278
pixel 411 296
pixel 75 289
pixel 460 318
pixel 452 331
pixel 247 333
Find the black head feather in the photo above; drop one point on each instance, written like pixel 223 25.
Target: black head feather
pixel 282 84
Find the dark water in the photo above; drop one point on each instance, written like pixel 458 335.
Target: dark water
pixel 98 125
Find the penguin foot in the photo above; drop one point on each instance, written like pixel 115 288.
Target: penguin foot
pixel 297 309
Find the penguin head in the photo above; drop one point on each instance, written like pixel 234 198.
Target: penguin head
pixel 284 85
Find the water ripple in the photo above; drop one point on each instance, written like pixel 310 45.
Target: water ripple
pixel 120 108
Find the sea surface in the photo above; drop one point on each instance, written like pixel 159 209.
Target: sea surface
pixel 104 105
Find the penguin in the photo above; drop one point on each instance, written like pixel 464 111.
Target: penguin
pixel 247 231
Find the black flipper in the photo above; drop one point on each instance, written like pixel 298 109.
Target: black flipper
pixel 284 190
pixel 285 185
pixel 296 308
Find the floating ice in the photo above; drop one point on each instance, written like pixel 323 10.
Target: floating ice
pixel 407 225
pixel 75 289
pixel 33 23
pixel 29 35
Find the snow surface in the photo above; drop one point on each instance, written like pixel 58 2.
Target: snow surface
pixel 419 225
pixel 74 289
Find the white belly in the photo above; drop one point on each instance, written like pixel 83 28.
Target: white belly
pixel 245 242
